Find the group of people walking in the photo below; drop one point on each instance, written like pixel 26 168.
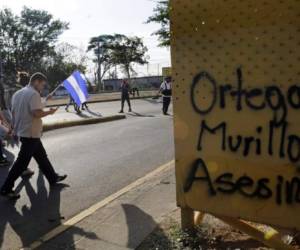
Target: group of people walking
pixel 165 90
pixel 27 111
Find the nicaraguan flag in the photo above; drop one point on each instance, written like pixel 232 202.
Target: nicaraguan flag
pixel 76 85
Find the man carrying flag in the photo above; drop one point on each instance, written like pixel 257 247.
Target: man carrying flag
pixel 76 85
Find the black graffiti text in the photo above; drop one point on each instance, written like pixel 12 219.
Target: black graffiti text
pixel 282 192
pixel 252 144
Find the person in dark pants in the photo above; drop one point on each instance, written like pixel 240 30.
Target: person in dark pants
pixel 84 106
pixel 72 102
pixel 27 111
pixel 125 89
pixel 135 90
pixel 166 91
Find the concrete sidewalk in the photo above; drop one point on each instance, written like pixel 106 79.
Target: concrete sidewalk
pixel 63 118
pixel 97 113
pixel 93 112
pixel 126 221
pixel 104 97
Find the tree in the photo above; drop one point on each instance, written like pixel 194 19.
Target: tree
pixel 60 71
pixel 7 20
pixel 162 16
pixel 71 53
pixel 63 63
pixel 100 45
pixel 27 40
pixel 128 50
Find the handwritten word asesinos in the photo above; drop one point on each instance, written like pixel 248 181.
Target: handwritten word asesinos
pixel 283 191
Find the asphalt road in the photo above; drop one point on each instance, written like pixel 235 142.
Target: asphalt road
pixel 99 160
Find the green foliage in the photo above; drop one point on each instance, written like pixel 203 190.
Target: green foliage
pixel 111 50
pixel 27 40
pixel 100 45
pixel 126 51
pixel 59 70
pixel 63 62
pixel 162 16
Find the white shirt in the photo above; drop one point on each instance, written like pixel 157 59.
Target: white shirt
pixel 166 85
pixel 24 102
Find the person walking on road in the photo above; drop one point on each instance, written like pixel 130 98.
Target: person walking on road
pixel 125 90
pixel 166 91
pixel 73 103
pixel 27 111
pixel 84 106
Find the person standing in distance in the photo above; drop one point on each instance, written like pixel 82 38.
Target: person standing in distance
pixel 27 111
pixel 125 89
pixel 166 91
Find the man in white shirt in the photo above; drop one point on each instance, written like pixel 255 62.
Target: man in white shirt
pixel 27 113
pixel 166 91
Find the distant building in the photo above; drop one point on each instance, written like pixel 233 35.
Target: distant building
pixel 142 83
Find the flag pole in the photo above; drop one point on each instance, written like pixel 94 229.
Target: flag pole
pixel 58 86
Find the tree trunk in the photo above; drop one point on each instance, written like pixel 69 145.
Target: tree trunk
pixel 128 73
pixel 99 82
pixel 99 71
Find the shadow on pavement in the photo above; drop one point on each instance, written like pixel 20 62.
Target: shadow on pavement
pixel 139 223
pixel 93 113
pixel 33 219
pixel 139 115
pixel 37 218
pixel 154 100
pixel 82 115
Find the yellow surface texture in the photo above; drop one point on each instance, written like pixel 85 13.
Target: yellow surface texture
pixel 166 71
pixel 253 158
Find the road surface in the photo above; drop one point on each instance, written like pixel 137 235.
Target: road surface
pixel 99 160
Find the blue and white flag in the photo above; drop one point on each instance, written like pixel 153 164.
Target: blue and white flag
pixel 76 85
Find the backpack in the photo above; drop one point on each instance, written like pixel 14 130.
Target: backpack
pixel 167 92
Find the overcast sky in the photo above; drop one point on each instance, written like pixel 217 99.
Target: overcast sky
pixel 89 18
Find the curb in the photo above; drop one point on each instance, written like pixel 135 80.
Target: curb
pixel 88 121
pixel 71 222
pixel 108 100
